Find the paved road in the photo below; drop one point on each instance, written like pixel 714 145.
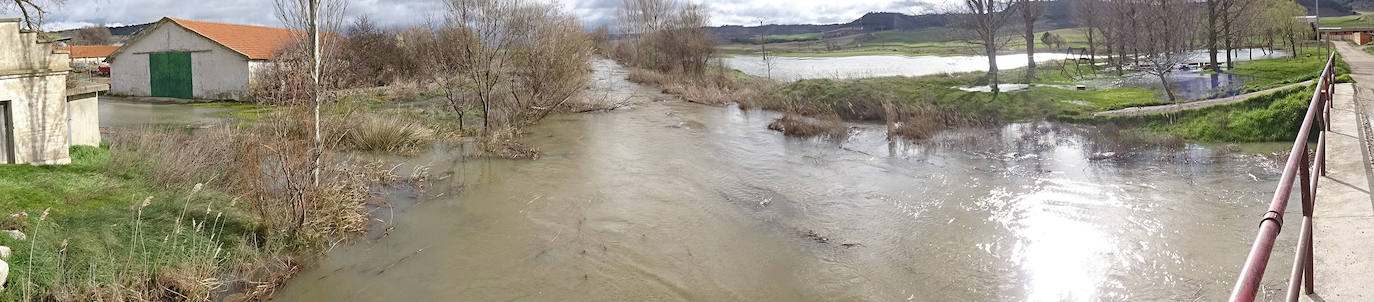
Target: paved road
pixel 1191 105
pixel 1343 223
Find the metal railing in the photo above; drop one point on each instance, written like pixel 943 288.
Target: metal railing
pixel 1301 167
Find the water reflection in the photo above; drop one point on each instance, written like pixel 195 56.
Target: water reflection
pixel 119 112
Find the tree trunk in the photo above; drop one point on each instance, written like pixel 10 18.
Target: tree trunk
pixel 1212 34
pixel 1092 50
pixel 1230 41
pixel 315 88
pixel 990 47
pixel 1030 53
pixel 1028 14
pixel 1164 79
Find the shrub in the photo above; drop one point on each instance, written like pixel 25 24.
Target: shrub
pixel 801 126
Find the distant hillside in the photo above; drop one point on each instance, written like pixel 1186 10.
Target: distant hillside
pixel 119 33
pixel 128 30
pixel 1057 16
pixel 1336 8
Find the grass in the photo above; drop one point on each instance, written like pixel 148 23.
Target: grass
pixel 1272 73
pixel 863 99
pixel 94 234
pixel 792 38
pixel 1266 118
pixel 1361 19
pixel 238 110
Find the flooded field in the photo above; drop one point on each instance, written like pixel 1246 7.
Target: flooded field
pixel 791 69
pixel 675 201
pixel 120 112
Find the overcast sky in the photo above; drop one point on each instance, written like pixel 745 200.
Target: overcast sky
pixel 77 13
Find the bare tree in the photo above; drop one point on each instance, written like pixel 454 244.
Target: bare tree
pixel 306 14
pixel 375 56
pixel 763 49
pixel 665 35
pixel 1282 16
pixel 1031 10
pixel 93 35
pixel 550 63
pixel 1233 12
pixel 1166 44
pixel 1085 13
pixel 31 11
pixel 1214 12
pixel 483 33
pixel 985 21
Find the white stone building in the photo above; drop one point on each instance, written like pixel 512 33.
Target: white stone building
pixel 40 117
pixel 193 60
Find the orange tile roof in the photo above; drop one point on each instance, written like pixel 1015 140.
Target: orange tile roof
pixel 256 42
pixel 80 52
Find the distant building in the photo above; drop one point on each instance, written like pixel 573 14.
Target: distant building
pixel 194 60
pixel 40 116
pixel 1353 34
pixel 87 58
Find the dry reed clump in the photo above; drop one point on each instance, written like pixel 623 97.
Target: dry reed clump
pixel 370 132
pixel 714 88
pixel 181 158
pixel 504 143
pixel 802 126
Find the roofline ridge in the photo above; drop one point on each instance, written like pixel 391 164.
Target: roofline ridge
pixel 232 24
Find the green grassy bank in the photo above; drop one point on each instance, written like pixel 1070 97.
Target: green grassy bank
pixel 98 225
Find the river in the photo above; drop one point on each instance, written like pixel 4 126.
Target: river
pixel 670 200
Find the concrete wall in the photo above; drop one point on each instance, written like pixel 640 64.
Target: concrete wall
pixel 83 113
pixel 217 72
pixel 33 80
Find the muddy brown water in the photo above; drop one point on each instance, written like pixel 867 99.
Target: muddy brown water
pixel 668 200
pixel 124 112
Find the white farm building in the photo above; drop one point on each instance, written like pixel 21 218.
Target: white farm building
pixel 186 59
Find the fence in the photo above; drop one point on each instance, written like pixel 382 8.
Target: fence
pixel 1300 168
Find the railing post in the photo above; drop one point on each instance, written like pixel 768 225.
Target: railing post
pixel 1305 178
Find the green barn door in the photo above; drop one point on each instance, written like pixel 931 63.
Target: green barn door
pixel 169 74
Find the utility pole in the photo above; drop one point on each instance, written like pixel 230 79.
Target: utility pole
pixel 1318 15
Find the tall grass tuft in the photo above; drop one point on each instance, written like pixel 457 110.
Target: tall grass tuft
pixel 381 134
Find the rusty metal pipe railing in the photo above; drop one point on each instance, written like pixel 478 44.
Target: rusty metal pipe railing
pixel 1298 166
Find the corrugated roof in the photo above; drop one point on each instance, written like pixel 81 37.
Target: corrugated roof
pixel 256 42
pixel 81 52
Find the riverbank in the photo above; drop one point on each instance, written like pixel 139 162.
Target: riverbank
pixel 1060 92
pixel 203 201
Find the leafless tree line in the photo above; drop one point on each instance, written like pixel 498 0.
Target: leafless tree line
pixel 507 62
pixel 665 35
pixel 1150 36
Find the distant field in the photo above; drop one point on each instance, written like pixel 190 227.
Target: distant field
pixel 792 38
pixel 1363 19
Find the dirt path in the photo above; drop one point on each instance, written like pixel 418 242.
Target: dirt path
pixel 1195 104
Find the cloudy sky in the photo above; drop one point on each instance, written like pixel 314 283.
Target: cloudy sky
pixel 77 13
